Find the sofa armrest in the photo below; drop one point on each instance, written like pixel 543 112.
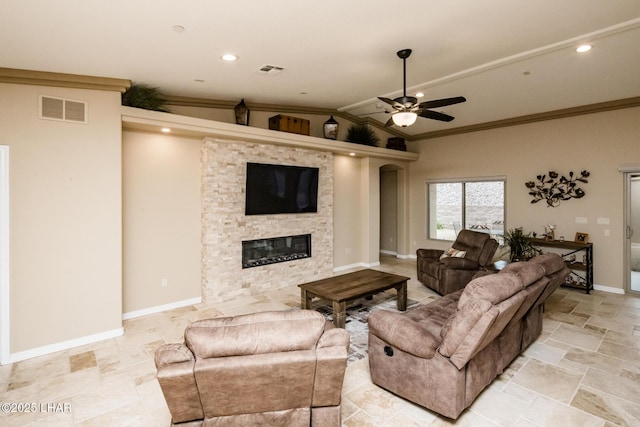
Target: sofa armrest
pixel 337 337
pixel 429 253
pixel 459 263
pixel 172 353
pixel 175 363
pixel 403 333
pixel 331 353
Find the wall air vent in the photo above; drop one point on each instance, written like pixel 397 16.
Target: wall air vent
pixel 270 69
pixel 66 110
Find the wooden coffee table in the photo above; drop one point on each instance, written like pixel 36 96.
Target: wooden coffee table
pixel 348 287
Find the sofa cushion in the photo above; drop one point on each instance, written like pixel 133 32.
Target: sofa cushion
pixel 257 333
pixel 493 288
pixel 462 323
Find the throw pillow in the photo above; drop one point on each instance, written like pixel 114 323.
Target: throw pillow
pixel 455 253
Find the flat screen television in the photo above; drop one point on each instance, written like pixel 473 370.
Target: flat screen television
pixel 280 189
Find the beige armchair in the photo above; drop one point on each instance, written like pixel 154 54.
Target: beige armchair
pixel 269 368
pixel 451 273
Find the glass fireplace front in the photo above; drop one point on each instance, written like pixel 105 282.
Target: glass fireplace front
pixel 273 250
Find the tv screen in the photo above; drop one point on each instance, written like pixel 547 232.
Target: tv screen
pixel 279 189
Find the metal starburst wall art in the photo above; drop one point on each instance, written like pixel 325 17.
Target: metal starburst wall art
pixel 554 188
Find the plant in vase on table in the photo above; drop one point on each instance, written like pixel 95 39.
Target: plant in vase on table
pixel 520 244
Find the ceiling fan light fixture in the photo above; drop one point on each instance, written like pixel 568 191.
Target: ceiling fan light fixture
pixel 404 119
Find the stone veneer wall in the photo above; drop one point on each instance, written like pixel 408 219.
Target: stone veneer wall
pixel 225 226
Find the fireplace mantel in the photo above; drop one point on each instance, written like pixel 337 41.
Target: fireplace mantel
pixel 154 121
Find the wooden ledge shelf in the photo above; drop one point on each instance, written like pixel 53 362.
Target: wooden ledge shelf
pixel 136 119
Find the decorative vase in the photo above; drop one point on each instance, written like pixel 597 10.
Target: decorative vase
pixel 242 113
pixel 330 128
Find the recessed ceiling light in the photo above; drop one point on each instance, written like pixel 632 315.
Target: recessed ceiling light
pixel 419 95
pixel 583 48
pixel 165 130
pixel 352 154
pixel 178 28
pixel 229 57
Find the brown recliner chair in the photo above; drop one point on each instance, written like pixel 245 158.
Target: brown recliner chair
pixel 269 368
pixel 451 273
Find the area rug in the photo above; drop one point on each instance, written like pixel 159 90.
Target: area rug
pixel 356 322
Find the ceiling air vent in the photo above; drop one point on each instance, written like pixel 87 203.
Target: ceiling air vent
pixel 65 110
pixel 270 69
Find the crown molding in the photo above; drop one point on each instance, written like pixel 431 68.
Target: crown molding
pixel 45 78
pixel 514 121
pixel 532 118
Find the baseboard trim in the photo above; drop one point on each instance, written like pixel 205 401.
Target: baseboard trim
pixel 160 308
pixel 356 265
pixel 395 254
pixel 609 289
pixel 65 345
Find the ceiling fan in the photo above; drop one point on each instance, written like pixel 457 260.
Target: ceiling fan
pixel 407 109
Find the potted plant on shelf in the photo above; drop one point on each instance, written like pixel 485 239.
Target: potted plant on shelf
pixel 143 96
pixel 362 134
pixel 521 247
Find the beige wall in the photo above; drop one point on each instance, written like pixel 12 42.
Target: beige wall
pixel 599 143
pixel 347 211
pixel 65 217
pixel 161 220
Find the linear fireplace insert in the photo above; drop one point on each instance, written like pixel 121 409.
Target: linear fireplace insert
pixel 276 249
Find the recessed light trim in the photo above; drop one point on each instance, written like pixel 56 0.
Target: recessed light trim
pixel 229 57
pixel 584 48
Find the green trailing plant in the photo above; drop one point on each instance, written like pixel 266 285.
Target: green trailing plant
pixel 520 244
pixel 362 134
pixel 140 95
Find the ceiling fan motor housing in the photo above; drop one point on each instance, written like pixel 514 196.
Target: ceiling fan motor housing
pixel 407 101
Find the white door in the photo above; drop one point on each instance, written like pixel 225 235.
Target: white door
pixel 632 232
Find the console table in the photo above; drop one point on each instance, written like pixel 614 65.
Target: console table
pixel 582 263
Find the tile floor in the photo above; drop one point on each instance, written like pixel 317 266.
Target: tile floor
pixel 584 370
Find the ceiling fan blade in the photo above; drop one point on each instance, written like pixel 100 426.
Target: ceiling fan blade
pixel 435 115
pixel 393 103
pixel 442 102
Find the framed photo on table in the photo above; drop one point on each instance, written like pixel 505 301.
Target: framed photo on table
pixel 582 238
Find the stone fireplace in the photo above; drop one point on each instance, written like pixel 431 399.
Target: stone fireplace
pixel 226 229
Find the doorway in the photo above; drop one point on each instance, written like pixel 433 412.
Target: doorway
pixel 632 232
pixel 389 210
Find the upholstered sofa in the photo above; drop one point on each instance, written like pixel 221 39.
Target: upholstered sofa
pixel 268 368
pixel 443 354
pixel 449 271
